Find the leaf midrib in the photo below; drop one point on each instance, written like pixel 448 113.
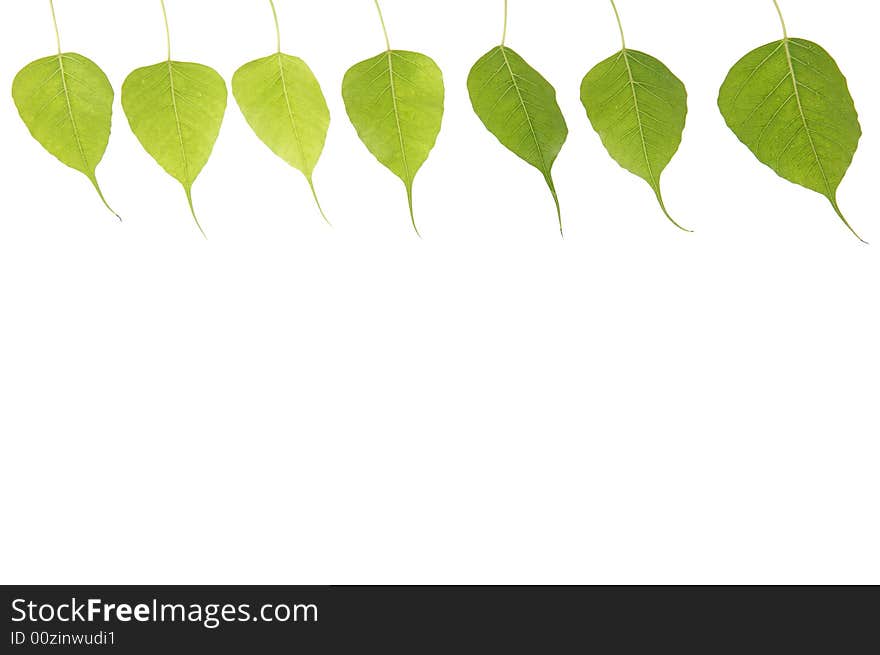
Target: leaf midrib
pixel 797 96
pixel 393 89
pixel 632 84
pixel 290 112
pixel 76 136
pixel 178 124
pixel 525 109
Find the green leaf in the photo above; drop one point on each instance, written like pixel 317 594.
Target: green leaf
pixel 790 104
pixel 519 107
pixel 66 101
pixel 395 102
pixel 639 109
pixel 175 109
pixel 284 105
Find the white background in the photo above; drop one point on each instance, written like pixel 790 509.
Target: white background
pixel 291 403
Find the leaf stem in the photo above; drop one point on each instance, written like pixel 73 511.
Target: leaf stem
pixel 384 28
pixel 504 33
pixel 277 25
pixel 619 24
pixel 781 19
pixel 167 29
pixel 55 23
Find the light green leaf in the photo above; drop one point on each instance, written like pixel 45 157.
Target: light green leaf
pixel 519 107
pixel 639 109
pixel 790 104
pixel 66 101
pixel 283 103
pixel 175 109
pixel 395 102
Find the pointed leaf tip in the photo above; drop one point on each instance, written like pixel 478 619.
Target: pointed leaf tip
pixel 846 222
pixel 412 214
pixel 189 200
pixel 318 202
pixel 668 215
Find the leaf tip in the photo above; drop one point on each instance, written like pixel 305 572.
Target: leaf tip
pixel 412 215
pixel 94 181
pixel 846 222
pixel 555 195
pixel 317 201
pixel 192 210
pixel 668 215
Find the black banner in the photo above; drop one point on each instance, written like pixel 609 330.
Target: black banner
pixel 163 620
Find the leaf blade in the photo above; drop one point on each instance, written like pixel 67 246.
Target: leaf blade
pixel 790 104
pixel 66 102
pixel 502 85
pixel 292 119
pixel 175 110
pixel 395 101
pixel 639 109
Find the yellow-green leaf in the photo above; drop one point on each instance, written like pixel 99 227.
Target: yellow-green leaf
pixel 176 109
pixel 284 105
pixel 66 101
pixel 395 102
